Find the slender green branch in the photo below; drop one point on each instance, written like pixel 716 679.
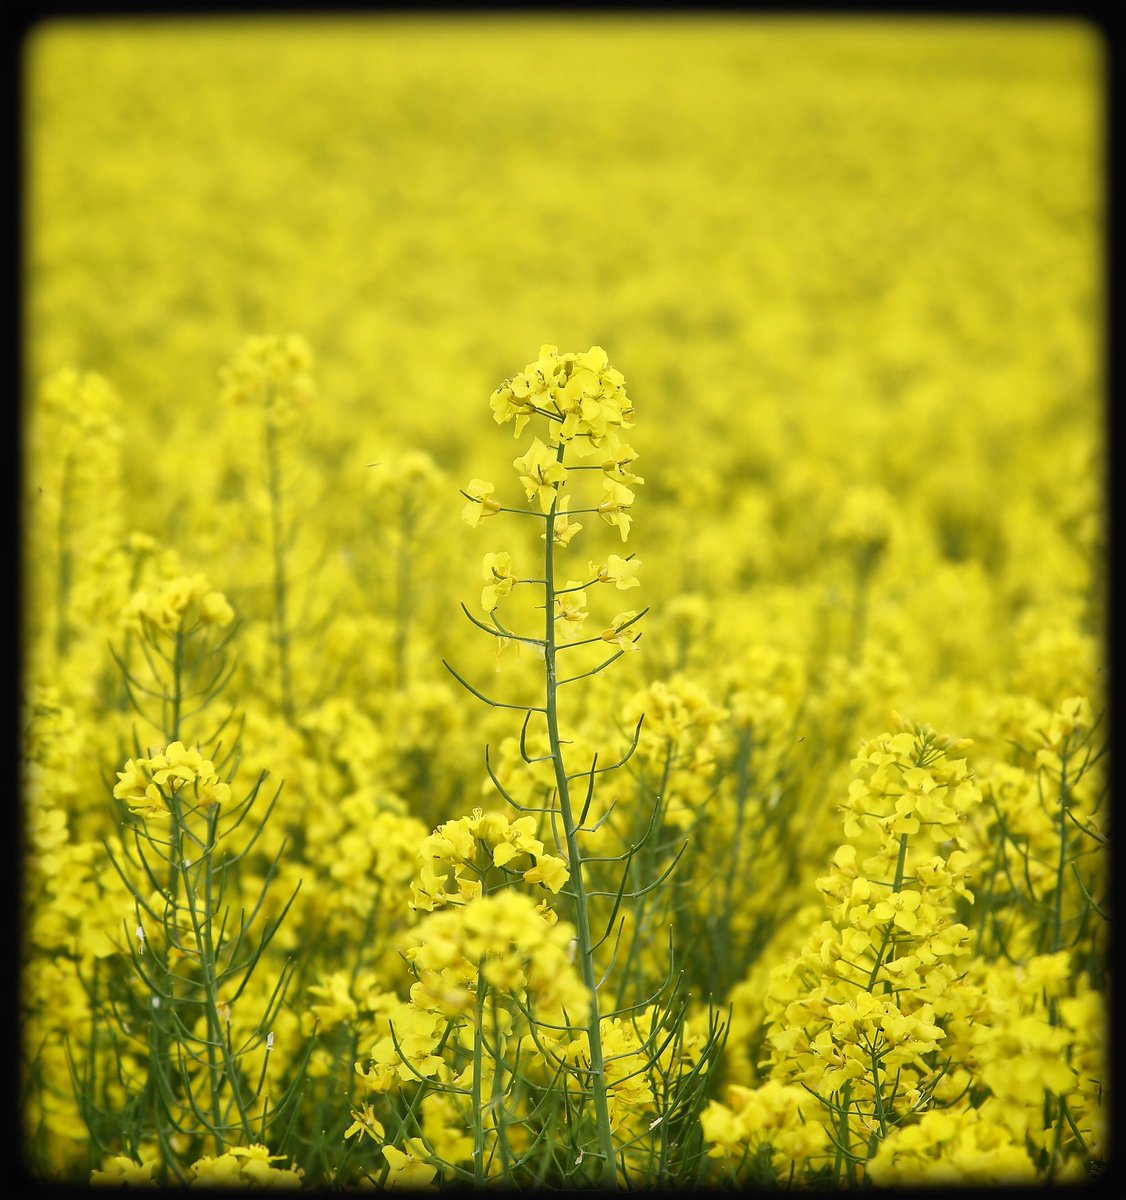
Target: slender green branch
pixel 585 948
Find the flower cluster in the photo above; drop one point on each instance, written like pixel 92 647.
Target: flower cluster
pixel 858 1018
pixel 775 1117
pixel 909 780
pixel 176 605
pixel 175 775
pixel 455 859
pixel 683 733
pixel 957 1148
pixel 272 373
pixel 245 1166
pixel 580 394
pixel 518 947
pixel 502 943
pixel 584 402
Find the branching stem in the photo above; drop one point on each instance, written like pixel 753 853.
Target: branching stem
pixel 585 948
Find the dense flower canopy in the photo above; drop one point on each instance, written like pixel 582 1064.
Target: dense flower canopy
pixel 827 900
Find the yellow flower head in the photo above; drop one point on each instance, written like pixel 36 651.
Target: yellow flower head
pixel 540 472
pixel 570 608
pixel 272 372
pixel 496 569
pixel 365 1122
pixel 614 507
pixel 621 572
pixel 480 504
pixel 563 528
pixel 623 632
pixel 408 1168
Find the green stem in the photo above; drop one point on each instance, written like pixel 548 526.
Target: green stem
pixel 877 1088
pixel 1058 1142
pixel 177 684
pixel 632 960
pixel 497 1102
pixel 478 1115
pixel 1057 914
pixel 896 887
pixel 900 865
pixel 842 1131
pixel 585 948
pixel 214 1071
pixel 742 791
pixel 207 963
pixel 986 909
pixel 91 1085
pixel 1057 939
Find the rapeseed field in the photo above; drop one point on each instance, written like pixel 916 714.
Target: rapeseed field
pixel 564 600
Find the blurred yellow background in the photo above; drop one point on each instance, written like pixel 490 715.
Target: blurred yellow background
pixel 763 220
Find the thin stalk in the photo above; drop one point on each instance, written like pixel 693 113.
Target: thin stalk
pixel 877 1087
pixel 585 947
pixel 633 959
pixel 177 685
pixel 742 792
pixel 896 887
pixel 497 1102
pixel 1057 913
pixel 478 1115
pixel 842 1131
pixel 90 1083
pixel 1057 940
pixel 208 970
